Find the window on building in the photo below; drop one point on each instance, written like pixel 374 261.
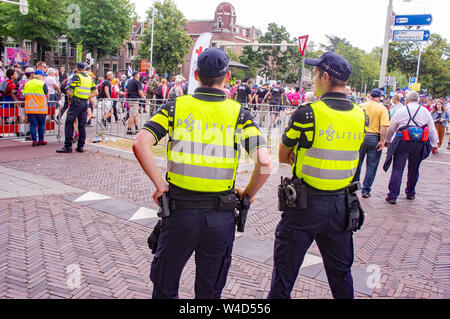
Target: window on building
pixel 29 46
pixel 219 23
pixel 244 32
pixel 106 68
pixel 114 68
pixel 130 50
pixel 63 48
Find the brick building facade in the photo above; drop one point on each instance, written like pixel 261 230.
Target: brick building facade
pixel 225 30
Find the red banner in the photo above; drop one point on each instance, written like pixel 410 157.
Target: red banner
pixel 145 65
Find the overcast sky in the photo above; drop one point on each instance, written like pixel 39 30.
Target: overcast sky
pixel 362 22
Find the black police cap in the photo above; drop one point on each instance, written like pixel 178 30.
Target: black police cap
pixel 81 65
pixel 212 63
pixel 332 63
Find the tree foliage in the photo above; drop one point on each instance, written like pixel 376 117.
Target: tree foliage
pixel 366 66
pixel 105 24
pixel 434 67
pixel 170 42
pixel 44 23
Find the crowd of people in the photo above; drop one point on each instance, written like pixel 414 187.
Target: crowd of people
pixel 139 87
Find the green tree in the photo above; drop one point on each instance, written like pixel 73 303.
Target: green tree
pixel 269 60
pixel 435 66
pixel 334 42
pixel 238 73
pixel 403 56
pixel 365 65
pixel 44 23
pixel 105 24
pixel 170 42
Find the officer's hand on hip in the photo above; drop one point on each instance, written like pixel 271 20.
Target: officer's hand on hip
pixel 159 192
pixel 241 193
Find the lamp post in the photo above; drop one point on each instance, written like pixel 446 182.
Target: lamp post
pixel 387 36
pixel 151 45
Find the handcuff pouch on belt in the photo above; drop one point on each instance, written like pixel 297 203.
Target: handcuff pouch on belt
pixel 292 193
pixel 355 212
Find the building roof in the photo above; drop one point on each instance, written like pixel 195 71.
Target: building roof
pixel 237 65
pixel 225 7
pixel 198 27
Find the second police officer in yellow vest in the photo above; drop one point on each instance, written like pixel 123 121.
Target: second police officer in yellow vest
pixel 205 133
pixel 322 142
pixel 80 90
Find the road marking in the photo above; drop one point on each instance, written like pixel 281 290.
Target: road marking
pixel 89 196
pixel 144 213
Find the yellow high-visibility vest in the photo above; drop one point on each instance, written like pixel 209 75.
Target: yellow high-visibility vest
pixel 35 97
pixel 203 152
pixel 83 91
pixel 331 163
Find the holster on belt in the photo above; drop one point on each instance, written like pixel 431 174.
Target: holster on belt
pixel 164 211
pixel 292 193
pixel 355 212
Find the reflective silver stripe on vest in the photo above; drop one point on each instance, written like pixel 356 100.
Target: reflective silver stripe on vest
pixel 332 155
pixel 83 88
pixel 200 171
pixel 83 93
pixel 34 94
pixel 329 174
pixel 196 148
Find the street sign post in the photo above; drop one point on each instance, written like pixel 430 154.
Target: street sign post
pixel 411 35
pixel 415 87
pixel 413 20
pixel 302 41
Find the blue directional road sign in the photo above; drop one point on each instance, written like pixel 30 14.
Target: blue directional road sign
pixel 412 20
pixel 411 35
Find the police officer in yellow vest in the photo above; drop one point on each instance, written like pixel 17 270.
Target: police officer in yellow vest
pixel 205 133
pixel 36 104
pixel 319 203
pixel 79 92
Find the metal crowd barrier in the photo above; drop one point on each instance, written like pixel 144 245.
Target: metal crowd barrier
pixel 270 119
pixel 15 125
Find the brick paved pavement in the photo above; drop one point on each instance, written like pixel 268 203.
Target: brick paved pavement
pixel 41 236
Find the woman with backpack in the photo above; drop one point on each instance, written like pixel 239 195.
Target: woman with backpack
pixel 161 91
pixel 176 90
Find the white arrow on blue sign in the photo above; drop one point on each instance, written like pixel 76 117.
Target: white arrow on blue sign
pixel 411 35
pixel 411 20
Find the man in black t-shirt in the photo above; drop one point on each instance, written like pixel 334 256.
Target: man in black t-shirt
pixel 244 93
pixel 135 92
pixel 260 95
pixel 105 93
pixel 276 94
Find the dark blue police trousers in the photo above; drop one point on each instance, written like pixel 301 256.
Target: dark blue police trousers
pixel 77 110
pixel 324 221
pixel 210 234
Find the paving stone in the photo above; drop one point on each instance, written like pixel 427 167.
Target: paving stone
pixel 256 249
pixel 112 206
